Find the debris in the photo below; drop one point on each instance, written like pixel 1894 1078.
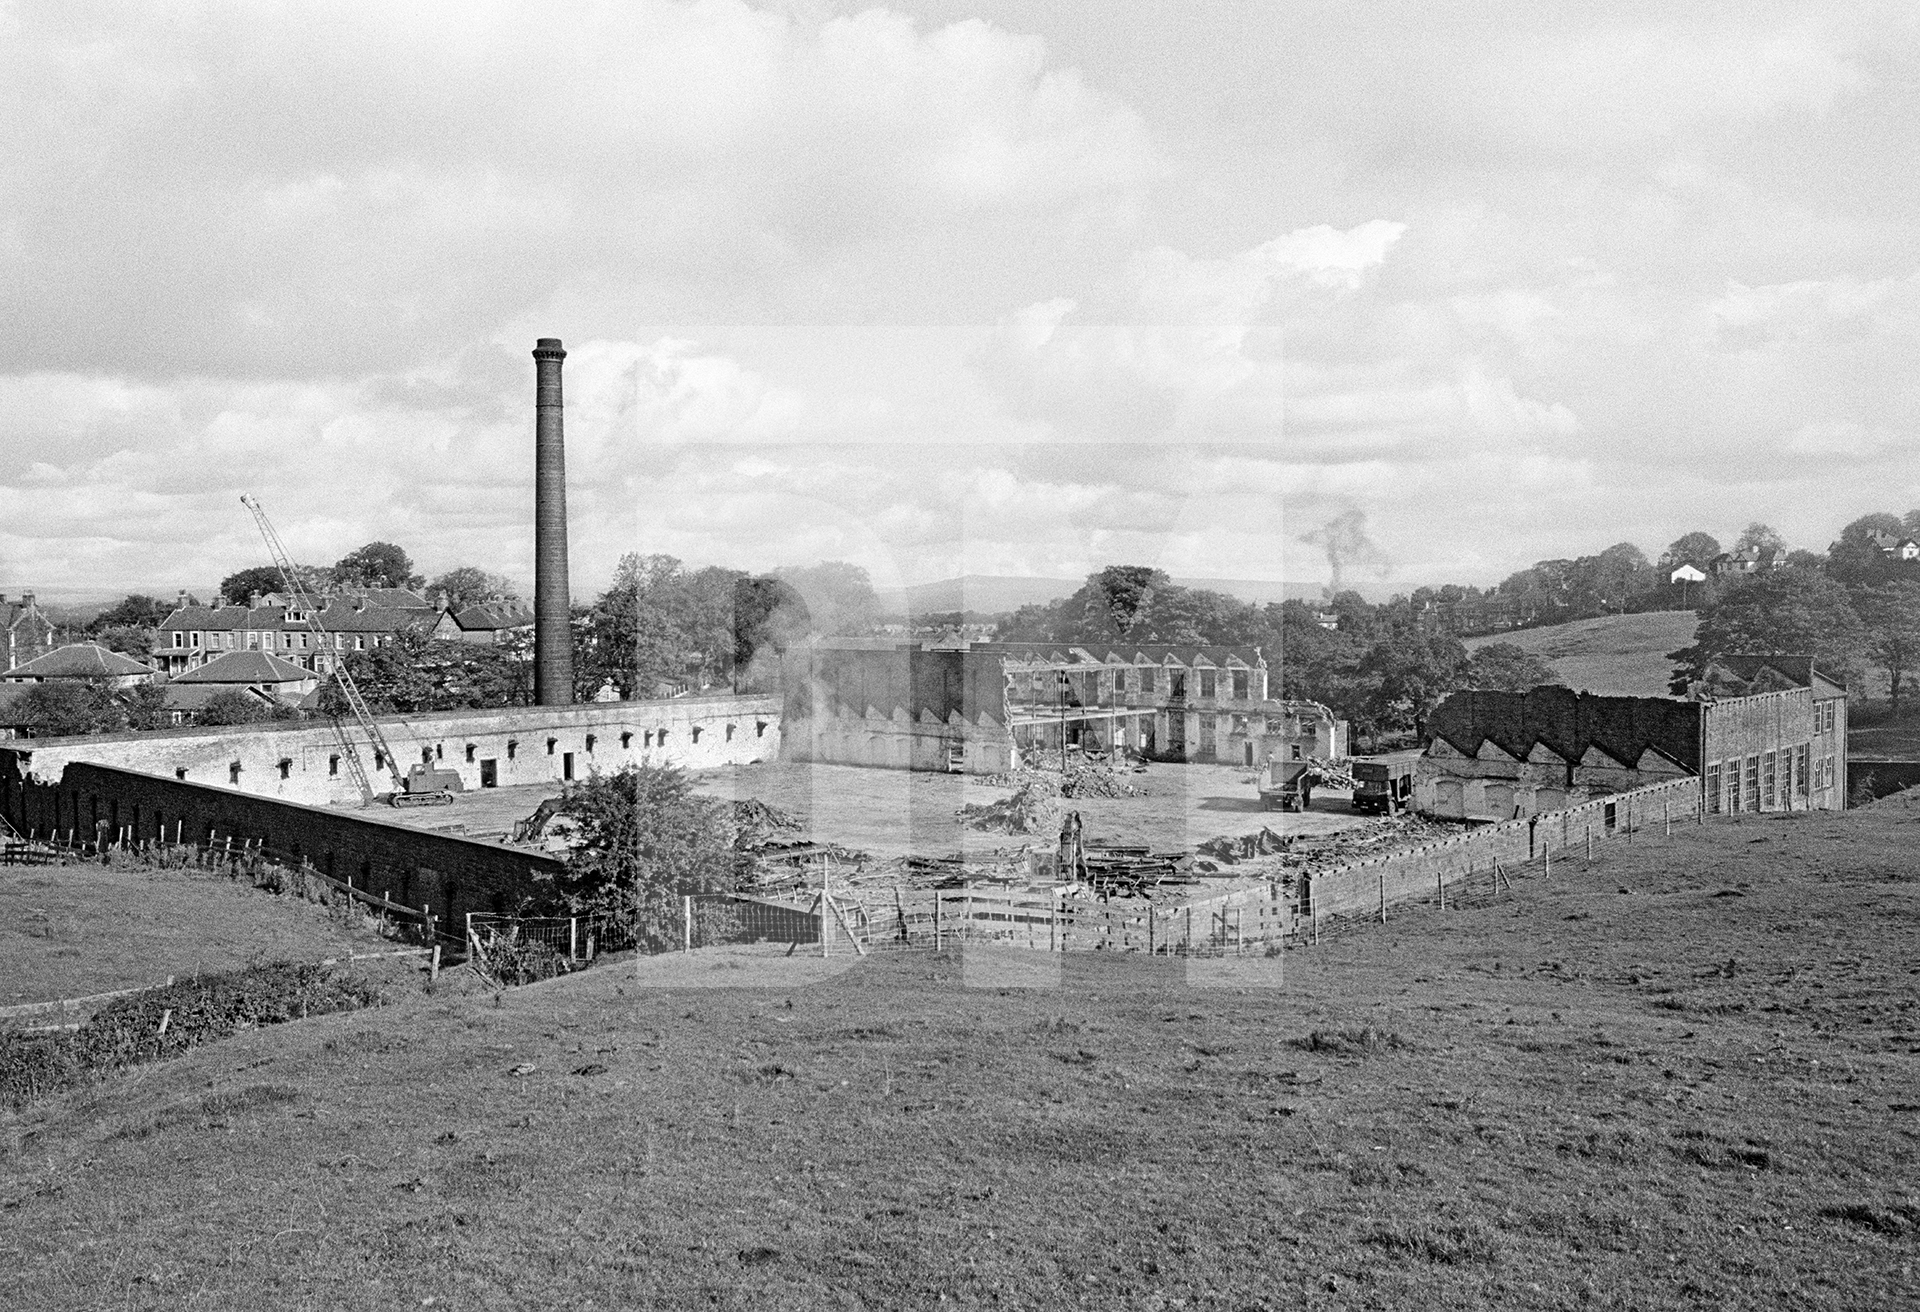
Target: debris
pixel 523 1070
pixel 1031 810
pixel 1247 846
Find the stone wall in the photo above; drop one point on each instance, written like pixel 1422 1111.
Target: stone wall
pixel 302 761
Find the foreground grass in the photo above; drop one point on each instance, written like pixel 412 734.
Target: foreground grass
pixel 1699 1092
pixel 68 931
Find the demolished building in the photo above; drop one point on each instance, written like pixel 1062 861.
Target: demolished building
pixel 1760 733
pixel 987 707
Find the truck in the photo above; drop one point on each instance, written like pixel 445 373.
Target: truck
pixel 1384 784
pixel 1287 785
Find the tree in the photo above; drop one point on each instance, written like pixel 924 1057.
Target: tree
pixel 1784 611
pixel 138 611
pixel 415 673
pixel 1856 560
pixel 839 597
pixel 1617 575
pixel 1891 613
pixel 637 633
pixel 1504 667
pixel 1115 598
pixel 63 708
pixel 376 565
pixel 1760 537
pixel 146 707
pixel 1416 670
pixel 128 641
pixel 644 841
pixel 767 617
pixel 1695 548
pixel 232 706
pixel 466 585
pixel 241 584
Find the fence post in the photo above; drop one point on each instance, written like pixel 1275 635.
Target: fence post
pixel 1383 895
pixel 1589 842
pixel 573 938
pixel 470 951
pixel 686 924
pixel 1546 861
pixel 1666 817
pixel 937 927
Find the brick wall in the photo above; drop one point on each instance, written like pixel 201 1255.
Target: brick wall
pixel 445 873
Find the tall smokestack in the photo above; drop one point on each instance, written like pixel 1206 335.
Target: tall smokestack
pixel 552 604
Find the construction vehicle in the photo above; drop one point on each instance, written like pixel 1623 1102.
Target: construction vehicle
pixel 1289 785
pixel 421 786
pixel 1385 783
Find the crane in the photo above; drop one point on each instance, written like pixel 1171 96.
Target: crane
pixel 423 786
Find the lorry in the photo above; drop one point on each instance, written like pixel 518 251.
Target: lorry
pixel 1384 784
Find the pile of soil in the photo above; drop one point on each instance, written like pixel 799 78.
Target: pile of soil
pixel 755 824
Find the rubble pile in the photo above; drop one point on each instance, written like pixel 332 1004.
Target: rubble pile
pixel 1229 849
pixel 1031 810
pixel 1082 779
pixel 755 824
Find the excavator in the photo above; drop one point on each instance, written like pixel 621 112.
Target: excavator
pixel 423 785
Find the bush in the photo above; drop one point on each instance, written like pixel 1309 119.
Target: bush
pixel 126 1032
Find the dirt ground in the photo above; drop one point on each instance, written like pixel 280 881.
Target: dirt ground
pixel 898 813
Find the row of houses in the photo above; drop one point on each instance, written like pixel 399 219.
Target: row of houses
pixel 356 620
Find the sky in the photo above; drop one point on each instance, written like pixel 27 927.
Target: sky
pixel 940 288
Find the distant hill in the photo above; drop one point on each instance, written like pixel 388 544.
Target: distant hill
pixel 990 593
pixel 1620 655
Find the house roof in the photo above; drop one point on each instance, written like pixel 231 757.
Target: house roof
pixel 81 660
pixel 341 615
pixel 494 615
pixel 245 667
pixel 195 696
pixel 1100 653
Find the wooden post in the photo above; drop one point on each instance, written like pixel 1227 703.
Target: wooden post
pixel 470 951
pixel 1383 896
pixel 435 971
pixel 966 915
pixel 686 923
pixel 166 1018
pixel 1589 842
pixel 1053 923
pixel 1149 929
pixel 573 939
pixel 1666 818
pixel 1440 888
pixel 1189 931
pixel 937 927
pixel 1546 861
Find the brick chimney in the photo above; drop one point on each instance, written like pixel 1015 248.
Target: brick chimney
pixel 552 602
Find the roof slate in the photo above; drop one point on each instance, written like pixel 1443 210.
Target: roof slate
pixel 82 660
pixel 245 667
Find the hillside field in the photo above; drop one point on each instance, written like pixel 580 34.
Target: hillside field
pixel 1619 655
pixel 1683 1077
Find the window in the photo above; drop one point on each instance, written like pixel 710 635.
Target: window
pixel 1147 679
pixel 439 751
pixel 359 643
pixel 696 733
pixel 1206 684
pixel 426 756
pixel 1753 783
pixel 760 729
pixel 566 765
pixel 551 744
pixel 253 641
pixel 1712 781
pixel 233 773
pixel 470 751
pixel 513 748
pixel 1732 790
pixel 180 772
pixel 379 759
pixel 286 767
pixel 626 740
pixel 590 742
pixel 1612 816
pixel 1119 682
pixel 333 766
pixel 729 733
pixel 1240 685
pixel 647 741
pixel 489 773
pixel 663 737
pixel 193 639
pixel 1296 751
pixel 1800 770
pixel 179 638
pixel 1769 778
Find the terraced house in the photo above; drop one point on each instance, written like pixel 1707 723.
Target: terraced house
pixel 351 621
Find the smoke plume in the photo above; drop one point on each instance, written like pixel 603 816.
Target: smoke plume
pixel 1349 550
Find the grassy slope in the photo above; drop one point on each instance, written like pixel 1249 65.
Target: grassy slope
pixel 66 931
pixel 1673 1098
pixel 1622 655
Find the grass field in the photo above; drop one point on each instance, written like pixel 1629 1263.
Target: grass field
pixel 69 931
pixel 1620 655
pixel 1684 1077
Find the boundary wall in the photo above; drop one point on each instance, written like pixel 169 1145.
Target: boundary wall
pixel 1418 873
pixel 444 875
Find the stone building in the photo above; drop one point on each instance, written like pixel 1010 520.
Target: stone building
pixel 349 621
pixel 984 707
pixel 1763 734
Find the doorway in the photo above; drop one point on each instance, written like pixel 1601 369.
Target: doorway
pixel 490 772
